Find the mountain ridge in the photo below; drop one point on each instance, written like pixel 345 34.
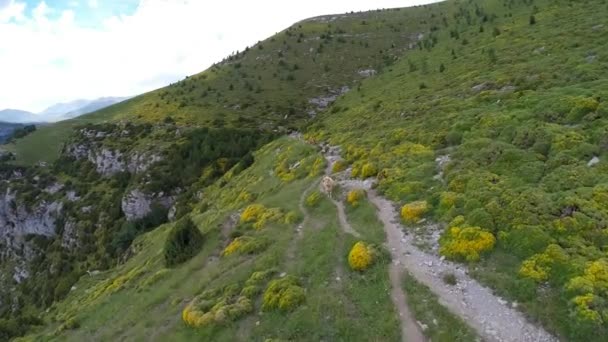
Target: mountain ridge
pixel 59 111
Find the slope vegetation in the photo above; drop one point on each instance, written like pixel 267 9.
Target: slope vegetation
pixel 498 129
pixel 485 121
pixel 279 83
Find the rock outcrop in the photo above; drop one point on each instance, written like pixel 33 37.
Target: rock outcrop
pixel 137 204
pixel 109 162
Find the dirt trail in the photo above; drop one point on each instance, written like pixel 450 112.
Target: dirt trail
pixel 410 330
pixel 493 318
pixel 291 249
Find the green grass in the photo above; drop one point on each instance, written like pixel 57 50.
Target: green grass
pixel 442 325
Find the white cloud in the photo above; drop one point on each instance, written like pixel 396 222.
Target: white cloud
pixel 93 3
pixel 50 58
pixel 11 10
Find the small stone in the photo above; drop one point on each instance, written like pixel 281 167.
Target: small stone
pixel 283 274
pixel 593 161
pixel 514 305
pixel 435 321
pixel 338 279
pixel 502 301
pixel 257 323
pixel 422 325
pixel 73 288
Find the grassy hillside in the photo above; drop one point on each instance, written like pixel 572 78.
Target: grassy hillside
pixel 268 85
pixel 517 104
pixel 143 299
pixel 489 117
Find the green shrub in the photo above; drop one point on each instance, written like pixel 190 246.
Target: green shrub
pixel 184 242
pixel 284 294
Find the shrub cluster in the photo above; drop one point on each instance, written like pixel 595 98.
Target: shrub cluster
pixel 216 307
pixel 245 245
pixel 283 294
pixel 219 306
pixel 412 212
pixel 540 266
pixel 588 304
pixel 466 243
pixel 259 215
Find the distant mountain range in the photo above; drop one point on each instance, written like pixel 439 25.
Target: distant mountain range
pixel 59 111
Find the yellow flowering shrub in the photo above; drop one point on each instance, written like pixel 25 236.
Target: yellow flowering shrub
pixel 590 303
pixel 252 212
pixel 368 170
pixel 260 215
pixel 283 293
pixel 466 243
pixel 244 245
pixel 411 150
pixel 584 308
pixel 339 165
pixel 216 307
pixel 355 171
pixel 291 217
pixel 245 197
pixel 313 199
pixel 538 266
pixel 412 212
pixel 317 167
pixel 361 256
pixel 447 199
pixel 353 196
pixel 253 285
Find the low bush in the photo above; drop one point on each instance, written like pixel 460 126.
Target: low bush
pixel 361 256
pixel 184 242
pixel 339 166
pixel 245 245
pixel 354 196
pixel 412 212
pixel 283 294
pixel 313 199
pixel 212 307
pixel 466 243
pixel 260 215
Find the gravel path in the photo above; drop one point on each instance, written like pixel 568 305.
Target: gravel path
pixel 493 318
pixel 410 330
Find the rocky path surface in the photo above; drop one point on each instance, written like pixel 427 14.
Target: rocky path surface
pixel 410 330
pixel 493 318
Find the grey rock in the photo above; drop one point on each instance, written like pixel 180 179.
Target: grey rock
pixel 137 204
pixel 480 87
pixel 594 161
pixel 367 72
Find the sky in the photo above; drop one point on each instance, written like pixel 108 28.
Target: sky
pixel 57 51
